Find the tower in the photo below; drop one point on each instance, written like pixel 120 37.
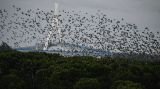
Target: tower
pixel 54 24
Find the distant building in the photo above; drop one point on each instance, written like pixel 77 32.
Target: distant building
pixel 39 46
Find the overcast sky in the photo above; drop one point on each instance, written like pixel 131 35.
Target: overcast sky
pixel 141 12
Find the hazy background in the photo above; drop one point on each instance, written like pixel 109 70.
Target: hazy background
pixel 144 13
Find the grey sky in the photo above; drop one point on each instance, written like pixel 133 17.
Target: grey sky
pixel 141 12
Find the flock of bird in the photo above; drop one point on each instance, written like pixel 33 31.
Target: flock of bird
pixel 26 27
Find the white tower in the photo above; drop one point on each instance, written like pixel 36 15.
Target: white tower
pixel 54 24
pixel 56 14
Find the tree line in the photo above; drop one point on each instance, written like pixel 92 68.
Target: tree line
pixel 31 70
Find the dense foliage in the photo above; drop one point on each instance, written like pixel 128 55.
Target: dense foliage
pixel 31 70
